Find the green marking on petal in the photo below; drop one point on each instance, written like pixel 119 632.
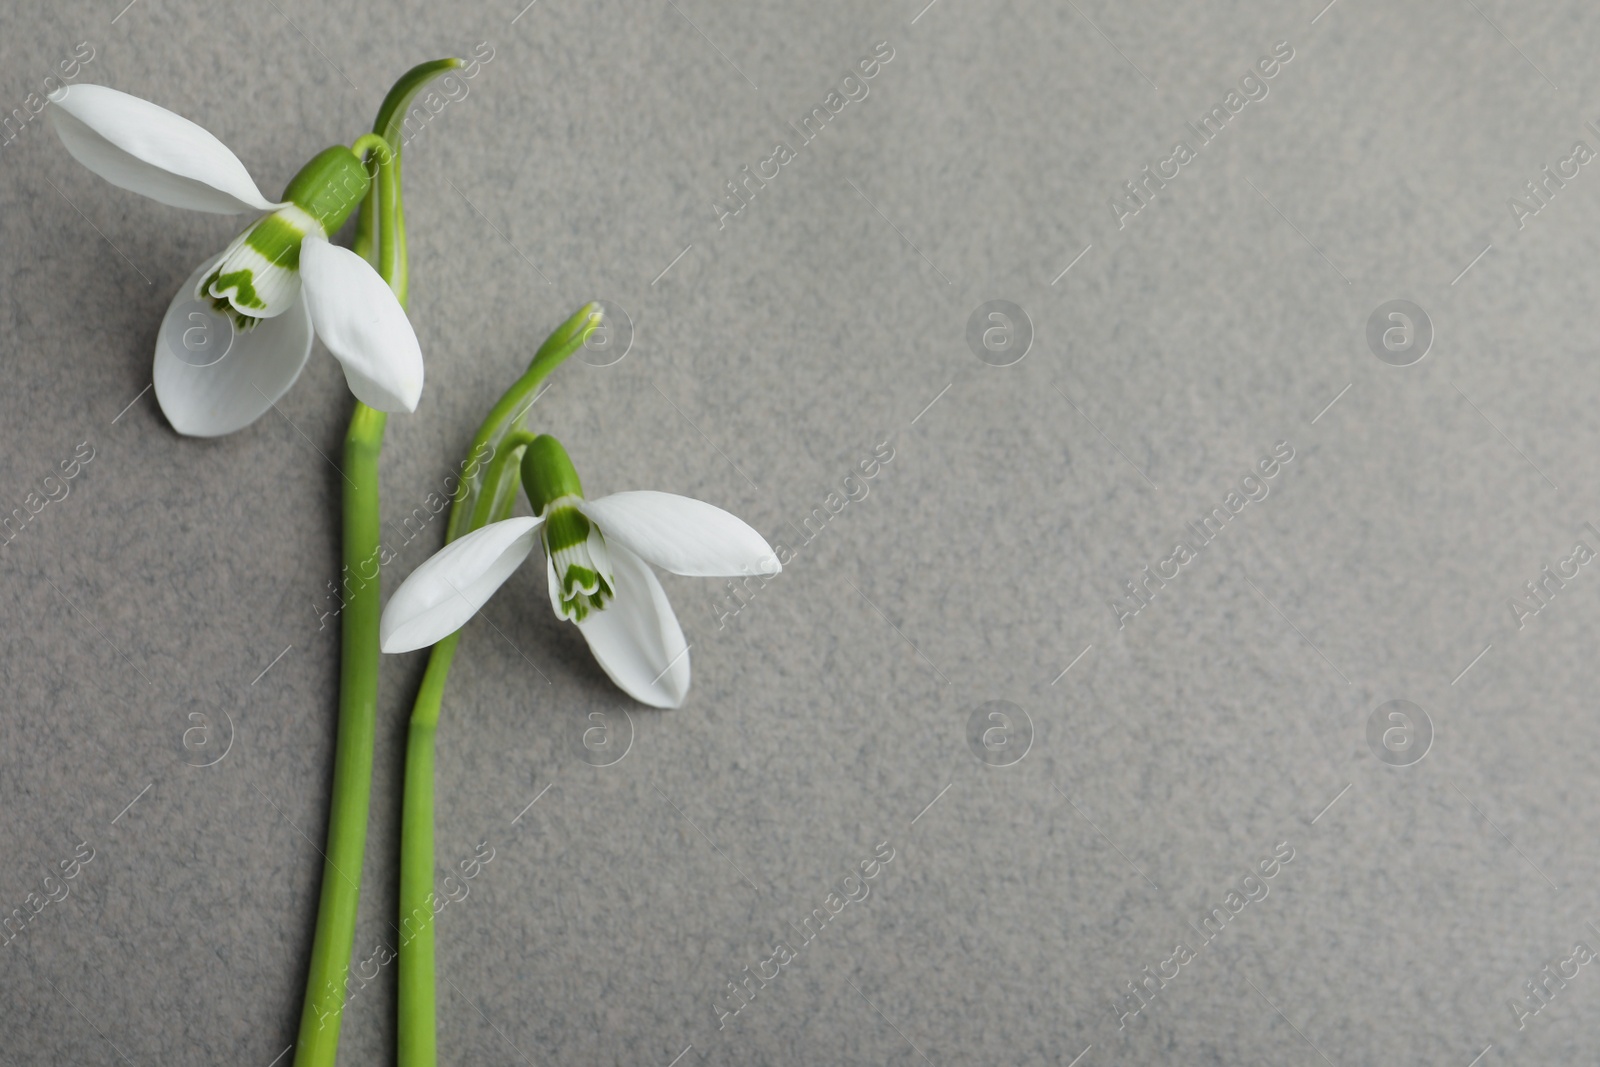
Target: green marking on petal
pixel 278 239
pixel 565 527
pixel 243 292
pixel 239 294
pixel 583 591
pixel 570 539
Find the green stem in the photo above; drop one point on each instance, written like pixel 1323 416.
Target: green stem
pixel 380 238
pixel 417 1010
pixel 352 761
pixel 368 216
pixel 386 212
pixel 389 125
pixel 417 1041
pixel 500 483
pixel 515 401
pixel 380 225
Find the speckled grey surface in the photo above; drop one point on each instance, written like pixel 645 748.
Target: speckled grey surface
pixel 168 608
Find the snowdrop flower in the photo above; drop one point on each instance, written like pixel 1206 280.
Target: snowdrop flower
pixel 239 332
pixel 597 557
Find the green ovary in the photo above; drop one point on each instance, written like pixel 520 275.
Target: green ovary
pixel 330 187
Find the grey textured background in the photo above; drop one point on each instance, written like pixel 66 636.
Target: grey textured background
pixel 1228 717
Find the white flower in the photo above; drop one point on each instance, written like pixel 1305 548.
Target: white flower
pixel 239 331
pixel 597 556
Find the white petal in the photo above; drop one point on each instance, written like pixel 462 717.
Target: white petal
pixel 141 146
pixel 636 638
pixel 682 535
pixel 554 582
pixel 361 321
pixel 440 596
pixel 256 367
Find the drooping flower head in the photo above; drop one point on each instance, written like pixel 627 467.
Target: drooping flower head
pixel 258 276
pixel 597 563
pixel 239 331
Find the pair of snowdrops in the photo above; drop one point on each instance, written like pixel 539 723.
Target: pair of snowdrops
pixel 280 282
